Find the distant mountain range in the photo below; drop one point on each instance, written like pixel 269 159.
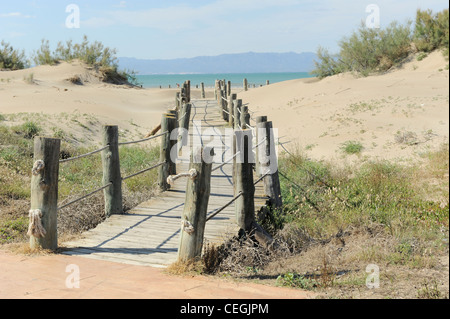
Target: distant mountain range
pixel 227 63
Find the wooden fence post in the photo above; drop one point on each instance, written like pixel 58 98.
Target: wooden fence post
pixel 203 91
pixel 183 125
pixel 188 91
pixel 237 114
pixel 222 104
pixel 245 85
pixel 44 190
pixel 111 171
pixel 243 172
pixel 168 124
pixel 195 209
pixel 178 101
pixel 259 140
pixel 231 100
pixel 229 88
pixel 269 164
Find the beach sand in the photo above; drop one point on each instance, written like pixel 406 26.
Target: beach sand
pixel 397 115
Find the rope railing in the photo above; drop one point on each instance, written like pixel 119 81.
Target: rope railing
pixel 85 196
pixel 216 212
pixel 143 171
pixel 83 156
pixel 143 140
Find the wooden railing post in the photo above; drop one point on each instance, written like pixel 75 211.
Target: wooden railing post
pixel 229 88
pixel 183 125
pixel 268 163
pixel 203 91
pixel 44 190
pixel 111 171
pixel 195 209
pixel 231 101
pixel 168 124
pixel 259 140
pixel 243 178
pixel 237 114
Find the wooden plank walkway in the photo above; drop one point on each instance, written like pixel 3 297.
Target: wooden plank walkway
pixel 149 234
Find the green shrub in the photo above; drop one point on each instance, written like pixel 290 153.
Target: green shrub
pixel 369 50
pixel 44 55
pixel 366 51
pixel 352 147
pixel 431 30
pixel 295 280
pixel 10 58
pixel 29 129
pixel 327 64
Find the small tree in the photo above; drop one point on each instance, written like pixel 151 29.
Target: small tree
pixel 11 59
pixel 44 55
pixel 431 30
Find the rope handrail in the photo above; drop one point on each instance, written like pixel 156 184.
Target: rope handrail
pixel 84 155
pixel 216 212
pixel 143 140
pixel 143 171
pixel 219 210
pixel 85 196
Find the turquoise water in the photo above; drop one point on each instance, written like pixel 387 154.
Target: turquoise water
pixel 237 79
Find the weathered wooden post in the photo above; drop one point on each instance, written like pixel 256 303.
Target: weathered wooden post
pixel 243 172
pixel 178 101
pixel 195 208
pixel 245 85
pixel 231 101
pixel 245 117
pixel 216 90
pixel 111 171
pixel 259 141
pixel 44 192
pixel 183 125
pixel 237 114
pixel 269 164
pixel 168 124
pixel 222 104
pixel 229 88
pixel 188 91
pixel 203 91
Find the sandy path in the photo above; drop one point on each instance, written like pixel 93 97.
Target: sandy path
pixel 44 277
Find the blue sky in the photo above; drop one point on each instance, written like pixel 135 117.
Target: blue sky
pixel 180 29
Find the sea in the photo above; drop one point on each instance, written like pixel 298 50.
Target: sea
pixel 237 79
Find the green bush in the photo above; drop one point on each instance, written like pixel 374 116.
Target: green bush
pixel 44 55
pixel 10 58
pixel 367 50
pixel 327 64
pixel 431 30
pixel 370 50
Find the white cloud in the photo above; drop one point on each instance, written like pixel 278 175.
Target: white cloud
pixel 14 15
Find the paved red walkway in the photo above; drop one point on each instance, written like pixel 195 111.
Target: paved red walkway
pixel 45 277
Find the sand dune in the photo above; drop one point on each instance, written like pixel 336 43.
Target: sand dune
pixel 49 92
pixel 397 115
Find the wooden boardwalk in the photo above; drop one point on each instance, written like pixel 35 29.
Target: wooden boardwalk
pixel 149 234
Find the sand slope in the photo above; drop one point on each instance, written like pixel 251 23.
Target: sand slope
pixel 397 115
pixel 50 93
